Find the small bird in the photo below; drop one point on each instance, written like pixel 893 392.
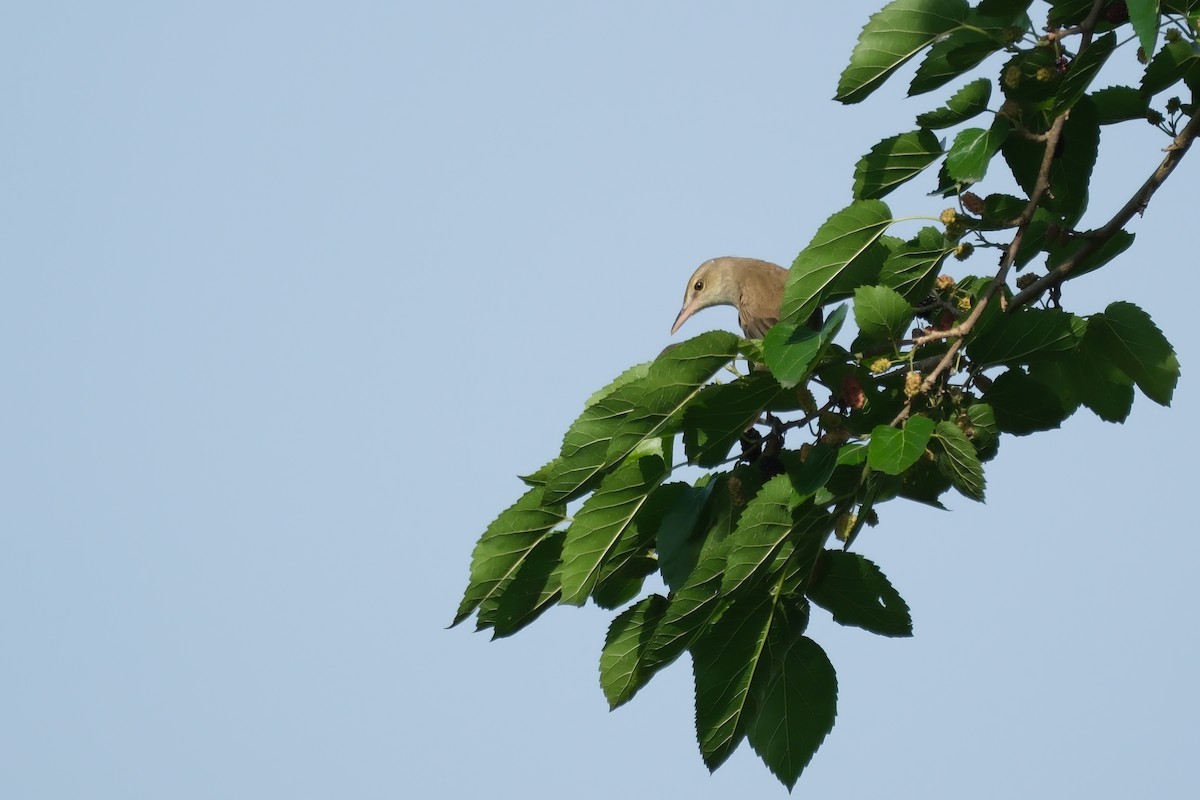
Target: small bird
pixel 753 287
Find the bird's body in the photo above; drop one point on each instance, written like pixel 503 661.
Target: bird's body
pixel 752 286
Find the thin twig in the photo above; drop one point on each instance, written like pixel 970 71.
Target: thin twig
pixel 1095 239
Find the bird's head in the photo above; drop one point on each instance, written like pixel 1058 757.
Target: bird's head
pixel 712 284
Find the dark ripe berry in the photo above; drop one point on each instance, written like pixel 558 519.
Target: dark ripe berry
pixel 972 202
pixel 852 393
pixel 1117 12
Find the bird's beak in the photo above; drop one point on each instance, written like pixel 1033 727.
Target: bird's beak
pixel 685 312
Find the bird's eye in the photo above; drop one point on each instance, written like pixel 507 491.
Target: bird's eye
pixel 699 286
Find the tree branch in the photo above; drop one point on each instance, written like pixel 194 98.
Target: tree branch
pixel 1097 238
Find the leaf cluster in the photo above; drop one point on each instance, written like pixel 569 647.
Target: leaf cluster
pixel 801 452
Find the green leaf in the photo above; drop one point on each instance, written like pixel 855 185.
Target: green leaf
pixel 621 672
pixel 722 412
pixel 857 593
pixel 1025 336
pixel 793 351
pixel 1024 405
pixel 1071 173
pixel 1143 15
pixel 581 462
pixel 1112 247
pixel 691 608
pixel 1064 13
pixel 528 592
pixel 1003 8
pixel 728 659
pixel 964 104
pixel 633 557
pixel 1082 71
pixel 795 705
pixel 809 475
pixel 972 151
pixel 641 409
pixel 843 255
pixel 634 373
pixel 505 545
pixel 1177 61
pixel 1120 104
pixel 538 478
pixel 956 53
pixel 603 519
pixel 1035 237
pixel 958 460
pixel 1131 340
pixel 912 268
pixel 762 529
pixel 882 314
pixel 891 37
pixel 983 431
pixel 894 161
pixel 674 380
pixel 1099 383
pixel 771 528
pixel 1031 76
pixel 893 450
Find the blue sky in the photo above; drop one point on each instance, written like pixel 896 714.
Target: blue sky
pixel 292 291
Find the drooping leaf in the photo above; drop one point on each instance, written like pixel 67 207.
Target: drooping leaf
pixel 691 608
pixel 857 593
pixel 891 37
pixel 961 50
pixel 728 659
pixel 792 351
pixel 843 254
pixel 679 540
pixel 983 431
pixel 964 104
pixel 1119 104
pixel 1143 16
pixel 1082 71
pixel 912 268
pixel 1098 382
pixel 774 527
pixel 893 162
pixel 610 428
pixel 882 314
pixel 893 450
pixel 809 475
pixel 633 557
pixel 674 380
pixel 1178 61
pixel 1071 169
pixel 958 460
pixel 1109 249
pixel 1024 405
pixel 603 519
pixel 1131 340
pixel 629 635
pixel 1025 336
pixel 795 705
pixel 973 148
pixel 1071 173
pixel 505 545
pixel 528 592
pixel 722 412
pixel 634 373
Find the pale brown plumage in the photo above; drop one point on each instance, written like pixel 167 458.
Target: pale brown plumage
pixel 753 287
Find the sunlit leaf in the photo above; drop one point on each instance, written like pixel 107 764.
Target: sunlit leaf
pixel 891 37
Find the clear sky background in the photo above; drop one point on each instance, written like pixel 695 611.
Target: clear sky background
pixel 291 291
